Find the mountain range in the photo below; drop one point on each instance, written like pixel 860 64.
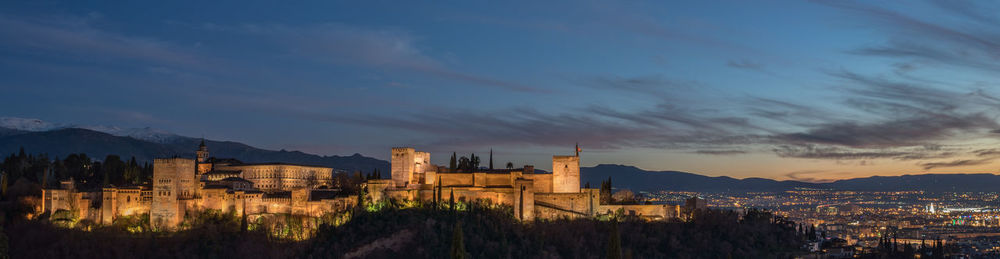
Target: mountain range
pixel 38 137
pixel 623 176
pixel 60 140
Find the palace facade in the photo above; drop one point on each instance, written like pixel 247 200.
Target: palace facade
pixel 183 186
pixel 532 195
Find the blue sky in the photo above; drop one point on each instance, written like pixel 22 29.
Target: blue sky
pixel 807 90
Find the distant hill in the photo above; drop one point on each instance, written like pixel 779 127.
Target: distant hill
pixel 642 180
pixel 925 182
pixel 631 177
pixel 64 141
pixel 146 144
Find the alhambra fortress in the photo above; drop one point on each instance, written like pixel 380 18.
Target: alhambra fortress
pixel 184 186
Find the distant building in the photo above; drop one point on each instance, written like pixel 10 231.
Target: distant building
pixel 182 186
pixel 531 195
pixel 695 203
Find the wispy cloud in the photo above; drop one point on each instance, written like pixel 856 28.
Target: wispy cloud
pixel 721 152
pixel 77 36
pixel 745 64
pixel 368 47
pixel 973 43
pixel 956 163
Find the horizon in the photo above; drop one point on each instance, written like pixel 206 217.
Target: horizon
pixel 59 126
pixel 847 90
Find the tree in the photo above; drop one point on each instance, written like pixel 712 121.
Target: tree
pixel 510 166
pixel 3 185
pixel 491 159
pixel 453 164
pixel 474 162
pixel 451 200
pixel 4 245
pixel 624 196
pixel 457 245
pixel 465 164
pixel 614 242
pixel 438 198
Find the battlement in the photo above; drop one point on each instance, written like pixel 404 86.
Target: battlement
pixel 403 149
pixel 173 160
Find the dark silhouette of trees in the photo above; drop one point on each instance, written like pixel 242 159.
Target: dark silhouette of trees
pixel 453 165
pixel 457 245
pixel 605 192
pixel 614 242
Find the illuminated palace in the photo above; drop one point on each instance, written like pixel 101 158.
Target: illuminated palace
pixel 182 186
pixel 532 195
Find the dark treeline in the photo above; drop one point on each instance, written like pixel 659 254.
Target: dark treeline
pixel 89 174
pixel 484 232
pixel 213 236
pixel 493 233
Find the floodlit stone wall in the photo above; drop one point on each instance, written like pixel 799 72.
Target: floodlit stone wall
pixel 565 174
pixel 455 179
pixel 402 165
pixel 171 176
pixel 543 182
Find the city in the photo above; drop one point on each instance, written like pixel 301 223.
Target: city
pixel 970 221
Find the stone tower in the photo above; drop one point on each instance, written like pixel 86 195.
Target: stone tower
pixel 566 173
pixel 173 179
pixel 403 165
pixel 203 165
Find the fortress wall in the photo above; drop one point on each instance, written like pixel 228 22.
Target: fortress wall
pixel 109 199
pixel 479 179
pixel 170 177
pixel 499 180
pixel 276 205
pixel 582 202
pixel 542 182
pixel 421 165
pixel 565 174
pixel 650 212
pixel 471 194
pixel 130 203
pixel 80 202
pixel 455 179
pixel 523 199
pixel 402 165
pixel 55 199
pixel 215 199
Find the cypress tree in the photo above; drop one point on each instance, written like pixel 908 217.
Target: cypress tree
pixel 457 245
pixel 454 162
pixel 438 198
pixel 3 185
pixel 451 201
pixel 4 244
pixel 491 159
pixel 614 243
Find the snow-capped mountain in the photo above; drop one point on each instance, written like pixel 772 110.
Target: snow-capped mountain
pixel 24 124
pixel 147 133
pixel 36 125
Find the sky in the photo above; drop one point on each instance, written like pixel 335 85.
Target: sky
pixel 788 90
